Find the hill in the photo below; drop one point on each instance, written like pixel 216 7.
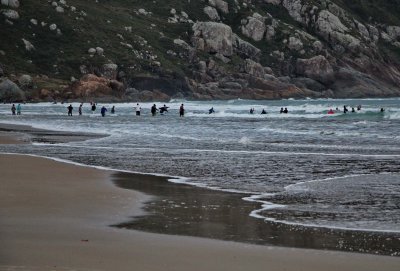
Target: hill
pixel 204 49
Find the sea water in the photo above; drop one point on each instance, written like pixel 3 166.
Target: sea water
pixel 305 167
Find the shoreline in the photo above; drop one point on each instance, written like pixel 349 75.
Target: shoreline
pixel 262 233
pixel 57 222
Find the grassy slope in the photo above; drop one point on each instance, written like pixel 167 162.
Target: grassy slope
pixel 61 56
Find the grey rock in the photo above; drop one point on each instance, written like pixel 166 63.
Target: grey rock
pixel 245 49
pixel 217 37
pixel 109 71
pixel 212 13
pixel 317 68
pixel 254 28
pixel 25 80
pixel 10 92
pixel 10 3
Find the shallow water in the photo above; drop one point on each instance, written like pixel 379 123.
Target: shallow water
pixel 306 167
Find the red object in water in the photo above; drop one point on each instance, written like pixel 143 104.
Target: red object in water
pixel 330 112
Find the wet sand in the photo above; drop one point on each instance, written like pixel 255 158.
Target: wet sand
pixel 22 133
pixel 182 209
pixel 57 216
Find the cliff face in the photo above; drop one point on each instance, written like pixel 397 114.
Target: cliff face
pixel 204 49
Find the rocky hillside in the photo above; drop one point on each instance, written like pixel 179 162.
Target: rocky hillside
pixel 198 49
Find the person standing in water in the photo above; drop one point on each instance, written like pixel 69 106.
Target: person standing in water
pixel 263 112
pixel 163 109
pixel 80 109
pixel 345 109
pixel 137 109
pixel 13 109
pixel 154 110
pixel 19 109
pixel 103 111
pixel 181 111
pixel 93 107
pixel 211 110
pixel 285 111
pixel 252 110
pixel 113 110
pixel 70 108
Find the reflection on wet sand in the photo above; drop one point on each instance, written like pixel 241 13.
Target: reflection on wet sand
pixel 185 210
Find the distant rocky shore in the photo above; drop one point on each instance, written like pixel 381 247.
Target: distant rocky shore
pixel 270 49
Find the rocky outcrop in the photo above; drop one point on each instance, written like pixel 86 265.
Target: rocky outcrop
pixel 254 27
pixel 10 3
pixel 91 85
pixel 213 38
pixel 245 49
pixel 317 68
pixel 212 13
pixel 220 5
pixel 10 92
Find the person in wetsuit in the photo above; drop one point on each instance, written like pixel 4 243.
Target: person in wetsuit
pixel 285 110
pixel 252 110
pixel 154 110
pixel 345 109
pixel 163 109
pixel 80 109
pixel 70 110
pixel 263 112
pixel 181 111
pixel 93 107
pixel 113 110
pixel 211 110
pixel 103 111
pixel 13 109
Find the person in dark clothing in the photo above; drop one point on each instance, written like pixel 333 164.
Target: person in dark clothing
pixel 211 110
pixel 80 109
pixel 252 110
pixel 382 110
pixel 263 112
pixel 13 109
pixel 103 111
pixel 113 110
pixel 154 110
pixel 181 111
pixel 281 110
pixel 70 108
pixel 93 107
pixel 345 109
pixel 352 110
pixel 163 109
pixel 285 110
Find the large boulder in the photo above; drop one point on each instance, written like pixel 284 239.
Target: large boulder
pixel 351 83
pixel 10 3
pixel 109 71
pixel 255 27
pixel 245 49
pixel 212 13
pixel 294 7
pixel 317 68
pixel 213 37
pixel 10 92
pixel 91 85
pixel 220 4
pixel 254 68
pixel 25 81
pixel 10 14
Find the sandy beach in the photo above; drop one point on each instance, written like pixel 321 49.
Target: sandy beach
pixel 56 216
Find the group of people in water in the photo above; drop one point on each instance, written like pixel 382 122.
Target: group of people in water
pixel 162 110
pixel 16 110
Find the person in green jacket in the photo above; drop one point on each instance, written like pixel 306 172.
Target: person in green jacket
pixel 19 109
